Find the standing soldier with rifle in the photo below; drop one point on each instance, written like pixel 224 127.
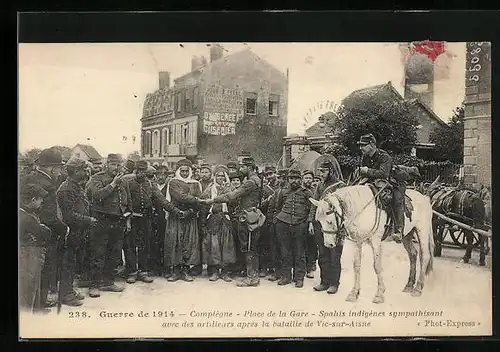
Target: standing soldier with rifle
pixel 74 208
pixel 47 175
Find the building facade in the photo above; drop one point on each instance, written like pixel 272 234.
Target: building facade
pixel 87 153
pixel 477 123
pixel 223 106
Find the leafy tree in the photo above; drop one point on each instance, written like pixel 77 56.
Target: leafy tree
pixel 393 123
pixel 65 151
pixel 32 154
pixel 449 139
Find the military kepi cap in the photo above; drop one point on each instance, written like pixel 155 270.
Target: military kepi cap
pixel 283 172
pixel 249 161
pixel 308 172
pixel 76 163
pixel 269 169
pixel 232 165
pixel 33 191
pixel 114 158
pixel 130 164
pixel 141 165
pixel 206 166
pixel 367 139
pixel 294 173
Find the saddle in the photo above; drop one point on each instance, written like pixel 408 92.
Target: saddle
pixel 383 200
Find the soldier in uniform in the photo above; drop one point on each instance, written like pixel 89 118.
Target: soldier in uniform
pixel 238 269
pixel 248 196
pixel 144 195
pixel 329 259
pixel 274 245
pixel 265 261
pixel 74 207
pixel 47 175
pixel 293 207
pixel 159 225
pixel 311 245
pixel 33 239
pixel 110 205
pixel 377 164
pixel 129 167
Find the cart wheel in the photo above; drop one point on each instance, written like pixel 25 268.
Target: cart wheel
pixel 459 238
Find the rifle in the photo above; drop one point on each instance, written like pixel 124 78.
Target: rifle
pixel 61 247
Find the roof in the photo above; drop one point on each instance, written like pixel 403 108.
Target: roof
pixel 384 92
pixel 223 59
pixel 91 152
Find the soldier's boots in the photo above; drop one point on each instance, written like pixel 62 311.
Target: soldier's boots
pixel 332 290
pixel 214 277
pixel 225 276
pixel 397 237
pixel 94 292
pixel 132 278
pixel 321 287
pixel 174 277
pixel 144 277
pixel 196 270
pixel 299 283
pixel 112 288
pixel 72 300
pixel 249 282
pixel 310 274
pixel 262 273
pixel 273 277
pixel 186 277
pixel 285 281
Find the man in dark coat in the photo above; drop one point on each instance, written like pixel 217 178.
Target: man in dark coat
pixel 311 245
pixel 265 261
pixel 377 164
pixel 159 225
pixel 144 196
pixel 329 259
pixel 293 207
pixel 111 207
pixel 33 239
pixel 75 212
pixel 47 175
pixel 248 196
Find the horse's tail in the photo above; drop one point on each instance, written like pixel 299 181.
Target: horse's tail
pixel 430 265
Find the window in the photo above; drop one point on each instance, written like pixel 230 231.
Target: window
pixel 187 101
pixel 170 135
pixel 185 134
pixel 147 143
pixel 273 105
pixel 195 97
pixel 179 102
pixel 165 140
pixel 251 104
pixel 156 142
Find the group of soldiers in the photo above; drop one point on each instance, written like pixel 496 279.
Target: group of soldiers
pixel 133 220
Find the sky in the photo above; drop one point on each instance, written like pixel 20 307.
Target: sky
pixel 93 93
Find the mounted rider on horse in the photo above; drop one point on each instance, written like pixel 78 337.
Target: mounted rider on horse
pixel 377 168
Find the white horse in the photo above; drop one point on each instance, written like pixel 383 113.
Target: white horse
pixel 354 210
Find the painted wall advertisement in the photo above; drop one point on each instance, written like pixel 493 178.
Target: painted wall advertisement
pixel 223 109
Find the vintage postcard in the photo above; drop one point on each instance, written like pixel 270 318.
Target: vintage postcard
pixel 263 190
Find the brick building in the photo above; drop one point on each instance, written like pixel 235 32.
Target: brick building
pixel 225 105
pixel 477 124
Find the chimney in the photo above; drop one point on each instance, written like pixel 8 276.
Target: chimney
pixel 419 79
pixel 216 52
pixel 164 79
pixel 196 62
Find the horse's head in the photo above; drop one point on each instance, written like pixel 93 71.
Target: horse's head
pixel 330 215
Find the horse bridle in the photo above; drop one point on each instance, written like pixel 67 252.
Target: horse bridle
pixel 339 221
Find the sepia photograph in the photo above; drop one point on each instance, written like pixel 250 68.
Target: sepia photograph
pixel 262 190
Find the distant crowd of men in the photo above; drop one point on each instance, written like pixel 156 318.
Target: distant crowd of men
pixel 84 228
